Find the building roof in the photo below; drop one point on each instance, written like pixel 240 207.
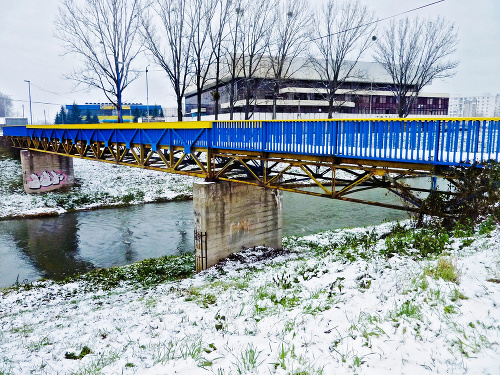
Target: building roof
pixel 303 69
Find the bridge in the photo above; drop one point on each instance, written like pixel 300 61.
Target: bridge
pixel 340 157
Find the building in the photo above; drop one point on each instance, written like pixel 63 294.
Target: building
pixel 107 112
pixel 13 121
pixel 369 93
pixel 485 105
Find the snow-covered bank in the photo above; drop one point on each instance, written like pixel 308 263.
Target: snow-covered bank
pixel 330 304
pixel 99 185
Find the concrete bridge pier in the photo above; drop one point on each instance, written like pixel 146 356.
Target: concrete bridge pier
pixel 43 172
pixel 229 217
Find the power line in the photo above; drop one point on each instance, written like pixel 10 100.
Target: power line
pixel 27 101
pixel 380 20
pixel 55 93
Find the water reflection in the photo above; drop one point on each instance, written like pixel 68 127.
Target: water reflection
pixel 50 245
pixel 56 247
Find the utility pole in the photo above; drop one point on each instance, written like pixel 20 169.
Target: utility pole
pixel 29 91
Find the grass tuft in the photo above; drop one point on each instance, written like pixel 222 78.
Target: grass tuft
pixel 445 269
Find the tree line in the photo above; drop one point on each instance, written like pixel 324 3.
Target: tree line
pixel 213 42
pixel 74 116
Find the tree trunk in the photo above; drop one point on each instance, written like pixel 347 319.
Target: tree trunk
pixel 275 97
pixel 330 107
pixel 198 97
pixel 247 103
pixel 217 97
pixel 119 97
pixel 179 108
pixel 402 111
pixel 231 100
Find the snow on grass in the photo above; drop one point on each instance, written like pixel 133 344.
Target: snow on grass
pixel 98 184
pixel 329 303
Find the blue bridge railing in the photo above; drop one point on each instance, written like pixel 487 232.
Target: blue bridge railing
pixel 444 141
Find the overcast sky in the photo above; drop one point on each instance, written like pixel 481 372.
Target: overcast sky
pixel 29 51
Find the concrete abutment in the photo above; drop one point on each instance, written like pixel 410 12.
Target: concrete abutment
pixel 229 217
pixel 43 172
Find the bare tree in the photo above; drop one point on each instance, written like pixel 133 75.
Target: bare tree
pixel 234 52
pixel 5 105
pixel 218 37
pixel 290 39
pixel 256 30
pixel 200 18
pixel 415 53
pixel 172 48
pixel 103 34
pixel 343 32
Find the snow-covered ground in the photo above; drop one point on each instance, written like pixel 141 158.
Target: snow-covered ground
pixel 99 184
pixel 316 308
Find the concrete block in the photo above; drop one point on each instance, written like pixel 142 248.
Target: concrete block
pixel 229 217
pixel 43 172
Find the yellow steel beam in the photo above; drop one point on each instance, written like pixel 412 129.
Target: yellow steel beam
pixel 315 180
pixel 363 178
pixel 136 157
pixel 199 163
pixel 223 169
pixel 164 159
pixel 250 170
pixel 278 175
pixel 144 125
pixel 179 162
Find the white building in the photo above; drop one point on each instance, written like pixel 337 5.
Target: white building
pixel 486 105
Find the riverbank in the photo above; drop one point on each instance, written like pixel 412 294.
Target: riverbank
pixel 99 185
pixel 376 300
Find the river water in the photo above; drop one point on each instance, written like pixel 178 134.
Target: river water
pixel 55 247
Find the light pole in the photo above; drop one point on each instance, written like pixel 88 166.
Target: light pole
pixel 147 93
pixel 29 91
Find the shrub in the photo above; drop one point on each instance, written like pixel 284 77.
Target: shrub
pixel 476 196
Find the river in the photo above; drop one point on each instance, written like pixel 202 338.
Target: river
pixel 59 246
pixel 72 243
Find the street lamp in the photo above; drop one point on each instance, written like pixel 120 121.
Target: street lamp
pixel 147 93
pixel 29 91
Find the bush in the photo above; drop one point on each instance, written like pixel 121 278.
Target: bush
pixel 476 197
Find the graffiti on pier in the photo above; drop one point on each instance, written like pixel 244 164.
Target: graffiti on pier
pixel 45 179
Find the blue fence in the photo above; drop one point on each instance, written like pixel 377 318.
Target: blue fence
pixel 430 141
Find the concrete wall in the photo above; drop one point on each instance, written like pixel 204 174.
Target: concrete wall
pixel 44 172
pixel 229 217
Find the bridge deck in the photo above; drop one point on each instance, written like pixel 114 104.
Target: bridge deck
pixel 281 154
pixel 443 141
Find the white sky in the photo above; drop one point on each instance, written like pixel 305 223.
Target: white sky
pixel 29 51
